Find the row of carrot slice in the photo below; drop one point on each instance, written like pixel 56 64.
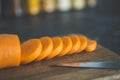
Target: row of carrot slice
pixel 13 53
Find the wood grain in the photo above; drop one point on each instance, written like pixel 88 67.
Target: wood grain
pixel 44 71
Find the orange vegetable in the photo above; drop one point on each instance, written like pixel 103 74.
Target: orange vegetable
pixel 67 45
pixel 9 50
pixel 47 47
pixel 57 47
pixel 83 41
pixel 75 43
pixel 30 50
pixel 91 45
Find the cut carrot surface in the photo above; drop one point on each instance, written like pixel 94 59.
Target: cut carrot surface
pixel 10 52
pixel 91 45
pixel 83 41
pixel 30 50
pixel 47 47
pixel 57 47
pixel 67 45
pixel 75 43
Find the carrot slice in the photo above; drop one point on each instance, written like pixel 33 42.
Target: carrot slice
pixel 83 41
pixel 47 46
pixel 91 45
pixel 57 47
pixel 67 45
pixel 10 52
pixel 75 43
pixel 30 50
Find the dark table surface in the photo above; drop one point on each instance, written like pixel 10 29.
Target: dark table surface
pixel 102 26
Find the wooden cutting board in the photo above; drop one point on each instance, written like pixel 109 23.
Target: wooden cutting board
pixel 44 71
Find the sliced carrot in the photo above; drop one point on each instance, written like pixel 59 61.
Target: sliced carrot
pixel 47 46
pixel 83 41
pixel 57 47
pixel 91 45
pixel 67 45
pixel 30 50
pixel 10 52
pixel 75 43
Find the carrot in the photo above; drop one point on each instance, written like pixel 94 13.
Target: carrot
pixel 57 47
pixel 83 41
pixel 91 45
pixel 30 50
pixel 9 50
pixel 47 46
pixel 75 43
pixel 67 45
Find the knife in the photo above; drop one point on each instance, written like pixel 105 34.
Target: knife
pixel 94 64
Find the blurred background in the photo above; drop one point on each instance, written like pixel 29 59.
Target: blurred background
pixel 97 19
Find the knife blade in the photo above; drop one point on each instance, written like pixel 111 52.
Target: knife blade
pixel 94 64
